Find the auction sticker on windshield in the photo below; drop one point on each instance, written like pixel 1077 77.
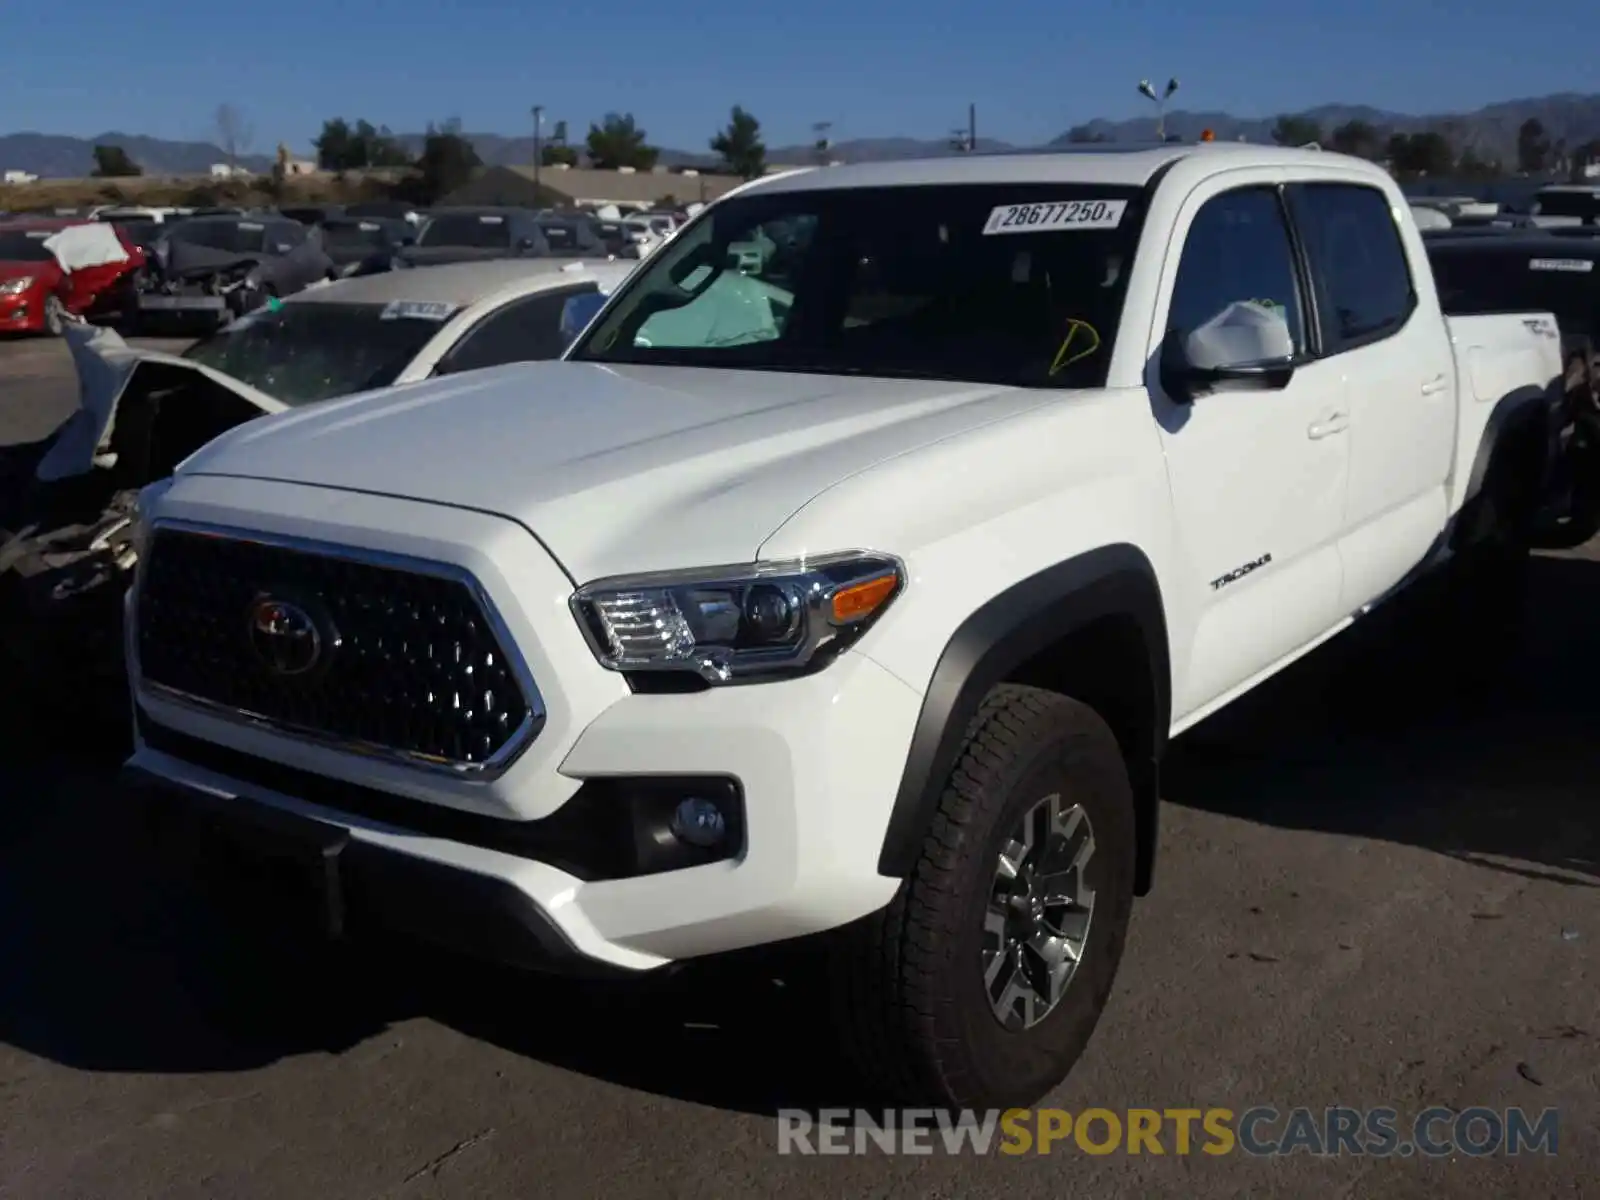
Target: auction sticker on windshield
pixel 416 310
pixel 1050 217
pixel 1578 265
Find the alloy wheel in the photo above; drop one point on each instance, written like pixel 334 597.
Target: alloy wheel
pixel 1037 921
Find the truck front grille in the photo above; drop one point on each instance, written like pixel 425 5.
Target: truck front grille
pixel 375 653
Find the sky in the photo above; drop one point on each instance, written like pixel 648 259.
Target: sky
pixel 872 67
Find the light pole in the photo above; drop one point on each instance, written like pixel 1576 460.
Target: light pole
pixel 1147 89
pixel 538 151
pixel 821 144
pixel 966 140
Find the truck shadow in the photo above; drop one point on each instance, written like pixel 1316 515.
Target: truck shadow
pixel 115 958
pixel 112 962
pixel 1382 734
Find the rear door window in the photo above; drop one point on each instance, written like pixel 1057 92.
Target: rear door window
pixel 1364 288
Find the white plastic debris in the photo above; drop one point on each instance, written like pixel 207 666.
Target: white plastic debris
pixel 79 247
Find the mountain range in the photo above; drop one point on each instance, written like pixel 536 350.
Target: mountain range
pixel 1490 131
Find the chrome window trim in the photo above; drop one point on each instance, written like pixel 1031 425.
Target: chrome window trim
pixel 491 768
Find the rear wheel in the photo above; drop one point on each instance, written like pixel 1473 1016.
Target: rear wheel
pixel 980 985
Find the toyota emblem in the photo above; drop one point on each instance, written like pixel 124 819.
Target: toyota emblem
pixel 284 636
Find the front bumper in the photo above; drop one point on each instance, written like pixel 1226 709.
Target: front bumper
pixel 817 760
pixel 22 313
pixel 351 878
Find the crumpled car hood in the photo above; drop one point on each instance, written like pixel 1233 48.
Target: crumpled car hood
pixel 105 366
pixel 616 469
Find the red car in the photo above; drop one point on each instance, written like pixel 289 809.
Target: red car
pixel 36 291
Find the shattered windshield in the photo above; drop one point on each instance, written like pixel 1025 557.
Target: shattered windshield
pixel 1018 285
pixel 354 235
pixel 233 237
pixel 17 245
pixel 474 230
pixel 304 352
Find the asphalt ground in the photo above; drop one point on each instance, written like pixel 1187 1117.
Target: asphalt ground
pixel 1377 888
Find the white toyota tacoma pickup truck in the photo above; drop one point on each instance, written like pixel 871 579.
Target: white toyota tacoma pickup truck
pixel 851 587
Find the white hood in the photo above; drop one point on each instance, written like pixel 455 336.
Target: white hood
pixel 615 469
pixel 105 366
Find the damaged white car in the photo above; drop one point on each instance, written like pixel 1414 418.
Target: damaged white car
pixel 66 502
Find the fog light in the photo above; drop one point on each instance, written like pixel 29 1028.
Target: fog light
pixel 699 822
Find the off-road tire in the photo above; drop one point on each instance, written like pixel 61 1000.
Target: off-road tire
pixel 907 982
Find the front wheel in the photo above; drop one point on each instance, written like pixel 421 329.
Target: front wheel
pixel 981 983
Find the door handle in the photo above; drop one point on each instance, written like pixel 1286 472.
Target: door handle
pixel 1435 385
pixel 1334 422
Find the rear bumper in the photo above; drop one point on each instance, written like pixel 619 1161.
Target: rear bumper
pixel 358 882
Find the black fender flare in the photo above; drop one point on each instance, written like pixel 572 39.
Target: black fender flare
pixel 1007 631
pixel 1511 416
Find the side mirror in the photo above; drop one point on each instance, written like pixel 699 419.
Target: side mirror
pixel 526 243
pixel 1246 344
pixel 577 312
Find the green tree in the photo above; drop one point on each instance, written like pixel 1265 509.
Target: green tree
pixel 1472 165
pixel 740 145
pixel 112 162
pixel 1296 131
pixel 556 155
pixel 379 147
pixel 335 146
pixel 618 142
pixel 345 147
pixel 1416 155
pixel 1533 147
pixel 448 161
pixel 1357 138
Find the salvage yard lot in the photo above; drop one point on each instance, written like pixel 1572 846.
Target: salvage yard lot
pixel 1375 890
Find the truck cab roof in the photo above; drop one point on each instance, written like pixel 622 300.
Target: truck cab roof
pixel 1131 165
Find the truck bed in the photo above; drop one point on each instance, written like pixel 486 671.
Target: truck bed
pixel 1495 356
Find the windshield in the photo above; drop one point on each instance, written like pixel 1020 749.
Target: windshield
pixel 354 235
pixel 1566 204
pixel 19 245
pixel 234 237
pixel 1016 285
pixel 477 231
pixel 1521 280
pixel 569 236
pixel 305 351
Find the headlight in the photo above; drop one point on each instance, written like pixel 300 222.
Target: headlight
pixel 724 623
pixel 15 287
